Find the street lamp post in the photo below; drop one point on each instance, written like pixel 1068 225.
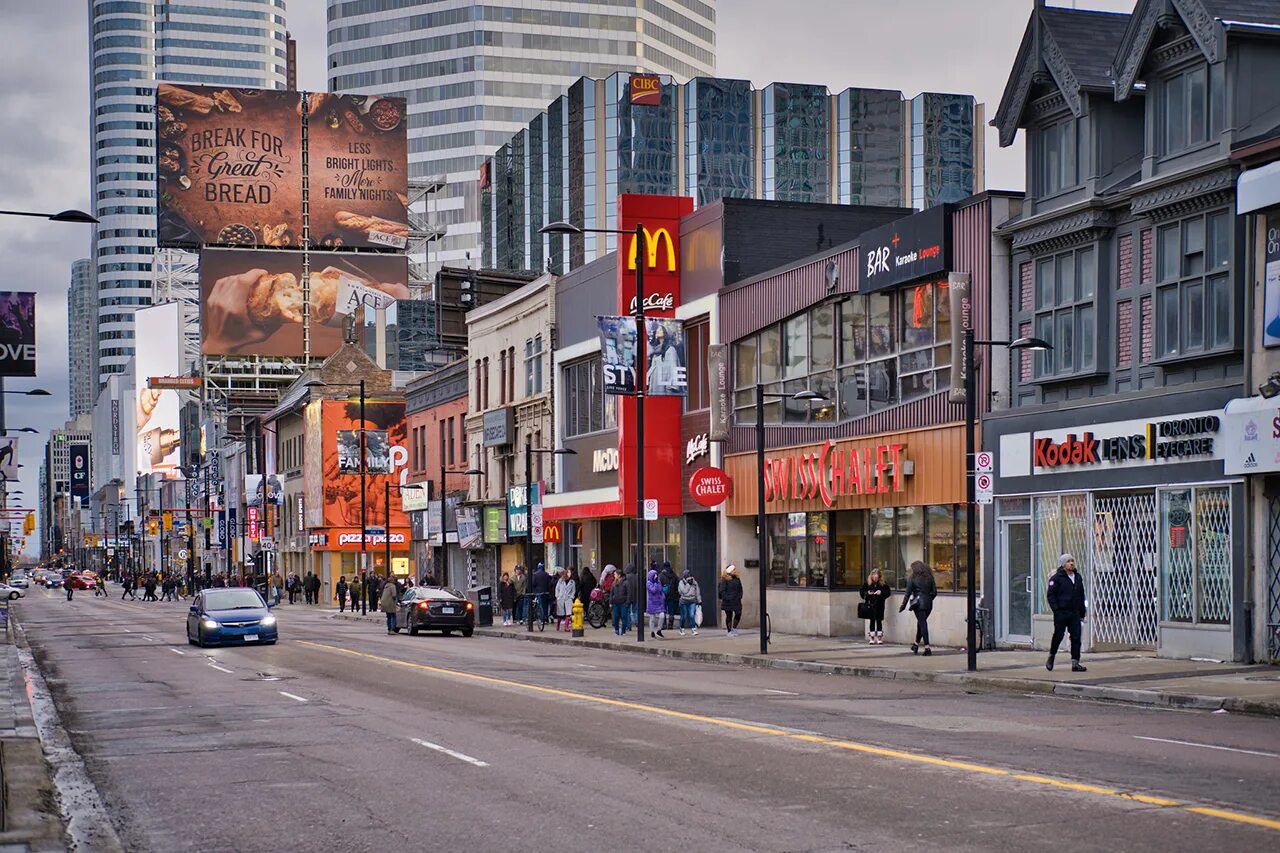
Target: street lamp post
pixel 364 477
pixel 529 450
pixel 444 526
pixel 970 453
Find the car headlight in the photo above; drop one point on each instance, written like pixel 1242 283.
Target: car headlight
pixel 209 623
pixel 267 621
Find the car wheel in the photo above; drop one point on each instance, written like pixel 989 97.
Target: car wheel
pixel 413 628
pixel 467 632
pixel 14 595
pixel 447 632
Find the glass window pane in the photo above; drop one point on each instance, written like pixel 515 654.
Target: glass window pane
pixel 880 321
pixel 795 411
pixel 797 548
pixel 1220 310
pixel 796 345
pixel 942 313
pixel 914 362
pixel 819 549
pixel 850 541
pixel 744 361
pixel 1167 310
pixel 910 539
pixel 852 392
pixel 823 343
pixel 777 542
pixel 1193 312
pixel 824 384
pixel 1085 333
pixel 1197 106
pixel 1044 331
pixel 853 330
pixel 1066 278
pixel 1064 348
pixel 1213 554
pixel 1168 253
pixel 1175 114
pixel 771 354
pixel 916 386
pixel 917 316
pixel 883 554
pixel 1044 283
pixel 1193 246
pixel 1087 273
pixel 1177 564
pixel 882 384
pixel 940 546
pixel 1219 242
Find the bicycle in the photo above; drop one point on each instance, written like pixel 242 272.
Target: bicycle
pixel 598 610
pixel 536 611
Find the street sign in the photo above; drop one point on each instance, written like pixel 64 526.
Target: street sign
pixel 984 462
pixel 650 509
pixel 182 553
pixel 984 488
pixel 535 524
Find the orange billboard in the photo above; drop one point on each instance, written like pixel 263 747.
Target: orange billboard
pixel 341 491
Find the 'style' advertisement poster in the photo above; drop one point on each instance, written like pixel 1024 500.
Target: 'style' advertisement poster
pixel 17 334
pixel 358 156
pixel 341 491
pixel 253 302
pixel 618 350
pixel 667 373
pixel 229 166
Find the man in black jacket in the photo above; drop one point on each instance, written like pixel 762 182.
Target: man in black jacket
pixel 1067 600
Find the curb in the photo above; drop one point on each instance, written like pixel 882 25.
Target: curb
pixel 1123 695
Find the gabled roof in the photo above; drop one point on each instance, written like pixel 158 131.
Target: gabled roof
pixel 1072 47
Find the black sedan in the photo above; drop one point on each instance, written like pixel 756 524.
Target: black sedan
pixel 434 608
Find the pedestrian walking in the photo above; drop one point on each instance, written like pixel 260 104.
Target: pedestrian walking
pixel 690 599
pixel 566 592
pixel 875 593
pixel 100 588
pixel 620 602
pixel 1067 600
pixel 655 604
pixel 315 589
pixel 541 587
pixel 521 584
pixel 729 592
pixel 70 589
pixel 506 597
pixel 388 603
pixel 340 590
pixel 670 594
pixel 586 585
pixel 921 590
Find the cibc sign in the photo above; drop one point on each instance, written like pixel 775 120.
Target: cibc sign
pixel 710 486
pixel 646 90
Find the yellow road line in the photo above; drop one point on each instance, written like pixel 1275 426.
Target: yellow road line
pixel 852 746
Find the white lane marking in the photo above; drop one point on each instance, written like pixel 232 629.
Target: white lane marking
pixel 780 692
pixel 220 668
pixel 587 665
pixel 1210 746
pixel 145 637
pixel 177 651
pixel 127 631
pixel 449 752
pixel 291 695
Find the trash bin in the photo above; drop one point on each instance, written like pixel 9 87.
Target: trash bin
pixel 482 598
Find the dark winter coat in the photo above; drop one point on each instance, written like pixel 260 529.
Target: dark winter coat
pixel 618 592
pixel 506 595
pixel 730 592
pixel 585 585
pixel 877 595
pixel 670 584
pixel 926 589
pixel 1066 598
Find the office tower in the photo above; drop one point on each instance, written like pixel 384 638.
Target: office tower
pixel 474 74
pixel 132 45
pixel 82 305
pixel 713 138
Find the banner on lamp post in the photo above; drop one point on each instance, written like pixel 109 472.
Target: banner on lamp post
pixel 667 372
pixel 718 384
pixel 961 319
pixel 618 353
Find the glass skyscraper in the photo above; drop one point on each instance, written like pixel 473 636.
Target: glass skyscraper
pixel 476 74
pixel 713 138
pixel 134 43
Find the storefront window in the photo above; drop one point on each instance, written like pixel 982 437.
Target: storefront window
pixel 910 540
pixel 883 555
pixel 819 549
pixel 777 531
pixel 847 562
pixel 940 546
pixel 797 549
pixel 1195 551
pixel 1062 526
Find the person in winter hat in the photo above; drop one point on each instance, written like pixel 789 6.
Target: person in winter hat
pixel 655 604
pixel 1067 600
pixel 729 591
pixel 690 597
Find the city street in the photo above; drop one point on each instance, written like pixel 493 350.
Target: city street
pixel 344 738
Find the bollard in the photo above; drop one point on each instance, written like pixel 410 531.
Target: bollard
pixel 576 621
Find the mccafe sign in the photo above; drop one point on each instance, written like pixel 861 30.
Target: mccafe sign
pixel 832 472
pixel 1187 438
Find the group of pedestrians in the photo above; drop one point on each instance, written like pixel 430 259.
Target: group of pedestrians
pixel 308 587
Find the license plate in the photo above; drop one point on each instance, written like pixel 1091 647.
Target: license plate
pixel 251 638
pixel 446 609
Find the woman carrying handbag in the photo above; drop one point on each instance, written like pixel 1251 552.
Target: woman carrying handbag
pixel 875 594
pixel 921 590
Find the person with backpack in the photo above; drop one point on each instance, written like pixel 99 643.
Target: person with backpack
pixel 690 597
pixel 875 593
pixel 921 591
pixel 655 604
pixel 730 594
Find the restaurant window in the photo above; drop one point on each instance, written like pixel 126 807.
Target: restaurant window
pixel 1193 286
pixel 1065 290
pixel 799 547
pixel 1195 552
pixel 696 338
pixel 849 552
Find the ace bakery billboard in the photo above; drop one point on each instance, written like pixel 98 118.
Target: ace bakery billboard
pixel 253 302
pixel 229 168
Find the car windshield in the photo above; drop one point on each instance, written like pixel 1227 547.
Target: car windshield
pixel 232 599
pixel 422 593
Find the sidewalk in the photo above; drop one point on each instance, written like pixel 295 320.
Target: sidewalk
pixel 29 816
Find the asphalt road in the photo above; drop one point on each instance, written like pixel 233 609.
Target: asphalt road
pixel 344 738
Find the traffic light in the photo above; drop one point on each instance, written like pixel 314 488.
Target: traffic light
pixel 29 524
pixel 153 527
pixel 168 522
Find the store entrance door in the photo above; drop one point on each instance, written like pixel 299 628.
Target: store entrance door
pixel 1015 622
pixel 1124 596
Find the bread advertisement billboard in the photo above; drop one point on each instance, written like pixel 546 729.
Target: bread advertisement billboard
pixel 252 302
pixel 229 168
pixel 358 154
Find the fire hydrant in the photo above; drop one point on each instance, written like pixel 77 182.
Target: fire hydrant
pixel 576 621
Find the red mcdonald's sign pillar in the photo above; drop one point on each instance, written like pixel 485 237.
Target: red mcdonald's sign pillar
pixel 660 215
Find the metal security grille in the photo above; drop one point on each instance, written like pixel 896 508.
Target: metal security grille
pixel 1273 578
pixel 1124 604
pixel 1213 552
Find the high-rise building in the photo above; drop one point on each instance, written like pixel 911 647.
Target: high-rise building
pixel 132 44
pixel 713 138
pixel 474 74
pixel 82 309
pixel 57 507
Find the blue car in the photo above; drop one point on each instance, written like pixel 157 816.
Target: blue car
pixel 234 616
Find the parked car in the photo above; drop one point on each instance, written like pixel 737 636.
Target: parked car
pixel 435 608
pixel 20 579
pixel 232 616
pixel 10 592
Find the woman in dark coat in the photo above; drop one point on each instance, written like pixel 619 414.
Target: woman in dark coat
pixel 586 583
pixel 506 598
pixel 670 594
pixel 921 590
pixel 875 592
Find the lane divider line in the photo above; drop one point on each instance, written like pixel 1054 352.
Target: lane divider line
pixel 780 692
pixel 220 668
pixel 822 740
pixel 177 651
pixel 291 695
pixel 461 756
pixel 1209 746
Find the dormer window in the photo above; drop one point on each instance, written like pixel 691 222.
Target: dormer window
pixel 1184 110
pixel 1057 160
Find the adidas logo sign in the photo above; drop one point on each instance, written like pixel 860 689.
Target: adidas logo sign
pixel 1250 461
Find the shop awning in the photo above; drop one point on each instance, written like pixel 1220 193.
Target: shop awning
pixel 1250 435
pixel 584 504
pixel 1258 188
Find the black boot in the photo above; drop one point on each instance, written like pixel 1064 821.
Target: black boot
pixel 1049 663
pixel 1076 667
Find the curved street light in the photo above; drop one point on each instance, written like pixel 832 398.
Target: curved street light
pixel 61 216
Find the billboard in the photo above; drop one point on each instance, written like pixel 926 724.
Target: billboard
pixel 79 454
pixel 252 302
pixel 359 160
pixel 254 490
pixel 469 533
pixel 8 457
pixel 17 333
pixel 667 373
pixel 377 451
pixel 156 409
pixel 618 347
pixel 339 500
pixel 229 166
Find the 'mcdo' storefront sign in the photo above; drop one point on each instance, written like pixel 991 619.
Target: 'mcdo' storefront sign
pixel 831 473
pixel 1184 438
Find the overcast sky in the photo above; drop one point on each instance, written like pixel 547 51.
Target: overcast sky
pixel 911 45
